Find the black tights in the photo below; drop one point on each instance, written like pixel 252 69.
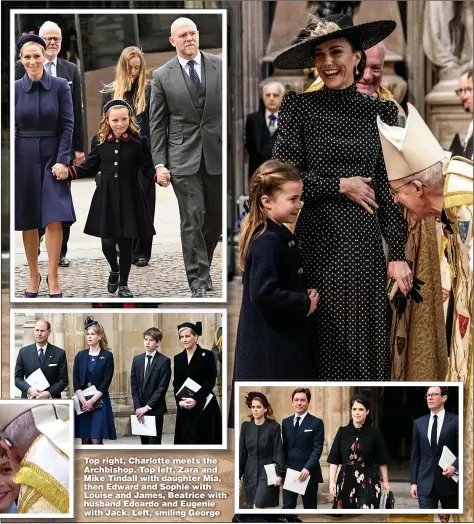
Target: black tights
pixel 92 441
pixel 126 256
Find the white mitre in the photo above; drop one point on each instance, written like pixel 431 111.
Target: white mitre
pixel 410 149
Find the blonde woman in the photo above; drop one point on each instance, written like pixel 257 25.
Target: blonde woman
pixel 44 125
pixel 130 84
pixel 94 366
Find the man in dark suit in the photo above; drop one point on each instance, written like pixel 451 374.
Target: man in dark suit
pixel 303 439
pixel 51 360
pixel 150 378
pixel 464 92
pixel 429 483
pixel 55 66
pixel 186 140
pixel 260 129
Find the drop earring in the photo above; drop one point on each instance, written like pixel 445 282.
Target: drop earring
pixel 356 71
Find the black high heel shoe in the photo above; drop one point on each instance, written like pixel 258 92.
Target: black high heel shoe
pixel 54 295
pixel 32 294
pixel 113 282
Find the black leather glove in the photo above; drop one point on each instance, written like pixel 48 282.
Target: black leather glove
pixel 400 301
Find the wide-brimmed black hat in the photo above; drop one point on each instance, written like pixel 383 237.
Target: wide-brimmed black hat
pixel 29 38
pixel 319 30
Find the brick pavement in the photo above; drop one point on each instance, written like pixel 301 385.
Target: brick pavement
pixel 165 277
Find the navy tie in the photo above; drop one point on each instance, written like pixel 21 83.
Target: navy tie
pixel 193 75
pixel 271 123
pixel 434 434
pixel 297 423
pixel 41 356
pixel 148 366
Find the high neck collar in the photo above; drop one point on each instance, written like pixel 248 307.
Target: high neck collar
pixel 279 229
pixel 28 84
pixel 344 94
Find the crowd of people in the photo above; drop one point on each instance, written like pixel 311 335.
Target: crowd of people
pixel 198 418
pixel 166 132
pixel 358 457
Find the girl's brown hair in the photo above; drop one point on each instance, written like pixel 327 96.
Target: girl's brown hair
pixel 104 126
pixel 267 180
pixel 123 83
pixel 99 330
pixel 260 397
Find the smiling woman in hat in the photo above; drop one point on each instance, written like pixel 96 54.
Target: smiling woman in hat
pixel 198 420
pixel 44 125
pixel 331 136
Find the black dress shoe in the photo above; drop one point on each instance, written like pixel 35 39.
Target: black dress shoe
pixel 124 292
pixel 199 293
pixel 113 282
pixel 64 262
pixel 141 262
pixel 210 285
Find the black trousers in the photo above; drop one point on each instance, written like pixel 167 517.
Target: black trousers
pixel 200 210
pixel 432 500
pixel 310 498
pixel 159 432
pixel 66 233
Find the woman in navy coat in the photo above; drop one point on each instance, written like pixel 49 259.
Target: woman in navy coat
pixel 44 125
pixel 94 366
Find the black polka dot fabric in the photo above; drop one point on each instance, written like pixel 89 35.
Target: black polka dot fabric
pixel 328 135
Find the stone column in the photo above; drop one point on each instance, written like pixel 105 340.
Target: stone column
pixel 415 56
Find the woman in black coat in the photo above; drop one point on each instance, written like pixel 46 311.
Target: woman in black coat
pixel 130 84
pixel 360 451
pixel 198 419
pixel 119 210
pixel 260 445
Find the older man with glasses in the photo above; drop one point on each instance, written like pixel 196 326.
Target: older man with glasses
pixel 55 66
pixel 464 92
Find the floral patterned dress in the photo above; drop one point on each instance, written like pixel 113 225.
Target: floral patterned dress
pixel 360 452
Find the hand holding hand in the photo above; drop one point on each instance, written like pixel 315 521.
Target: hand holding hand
pixel 357 189
pixel 33 392
pixel 88 405
pixel 44 394
pixel 401 272
pixel 60 171
pixel 163 176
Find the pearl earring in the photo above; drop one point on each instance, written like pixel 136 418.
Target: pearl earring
pixel 356 71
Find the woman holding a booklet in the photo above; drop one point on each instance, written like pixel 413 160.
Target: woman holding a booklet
pixel 198 419
pixel 261 459
pixel 92 374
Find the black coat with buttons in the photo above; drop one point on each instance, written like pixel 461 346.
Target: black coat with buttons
pixel 272 337
pixel 119 207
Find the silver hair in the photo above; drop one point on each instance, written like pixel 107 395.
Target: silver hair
pixel 432 177
pixel 269 81
pixel 383 47
pixel 467 70
pixel 22 432
pixel 49 25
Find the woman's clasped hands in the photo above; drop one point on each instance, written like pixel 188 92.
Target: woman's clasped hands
pixel 60 171
pixel 187 403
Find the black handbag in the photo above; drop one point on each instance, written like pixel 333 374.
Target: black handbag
pixel 390 502
pixel 99 404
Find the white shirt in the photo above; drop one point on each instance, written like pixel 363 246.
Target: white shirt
pixel 267 116
pixel 149 362
pixel 301 418
pixel 440 424
pixel 197 65
pixel 54 66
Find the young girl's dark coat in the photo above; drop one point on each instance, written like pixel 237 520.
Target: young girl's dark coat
pixel 119 207
pixel 272 337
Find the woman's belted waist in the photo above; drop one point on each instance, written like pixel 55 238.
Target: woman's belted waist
pixel 36 134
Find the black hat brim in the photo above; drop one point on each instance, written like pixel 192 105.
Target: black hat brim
pixel 302 54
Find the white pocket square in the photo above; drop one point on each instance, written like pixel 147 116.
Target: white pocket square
pixel 306 430
pixel 69 81
pixel 49 365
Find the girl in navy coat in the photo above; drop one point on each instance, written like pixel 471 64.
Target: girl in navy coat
pixel 119 211
pixel 272 337
pixel 94 366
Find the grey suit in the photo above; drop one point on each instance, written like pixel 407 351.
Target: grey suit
pixel 186 136
pixel 54 368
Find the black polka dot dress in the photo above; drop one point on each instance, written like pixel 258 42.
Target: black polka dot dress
pixel 328 135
